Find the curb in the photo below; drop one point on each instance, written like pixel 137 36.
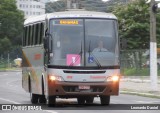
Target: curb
pixel 140 94
pixel 10 70
pixel 137 80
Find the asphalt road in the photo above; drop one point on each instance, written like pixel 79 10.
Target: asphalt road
pixel 11 92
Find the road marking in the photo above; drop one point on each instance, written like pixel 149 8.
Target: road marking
pixel 147 102
pixel 49 111
pixel 18 73
pixel 9 101
pixel 4 74
pixel 10 83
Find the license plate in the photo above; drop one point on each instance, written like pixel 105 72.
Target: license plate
pixel 84 87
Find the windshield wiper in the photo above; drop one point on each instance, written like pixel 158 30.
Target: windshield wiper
pixel 78 56
pixel 91 54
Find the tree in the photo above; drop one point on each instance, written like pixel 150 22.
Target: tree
pixel 5 44
pixel 55 6
pixel 91 5
pixel 11 23
pixel 134 24
pixel 111 3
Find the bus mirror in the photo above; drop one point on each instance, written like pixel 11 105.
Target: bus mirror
pixel 48 42
pixel 45 43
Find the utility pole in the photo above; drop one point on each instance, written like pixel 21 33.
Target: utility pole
pixel 72 4
pixel 69 4
pixel 153 48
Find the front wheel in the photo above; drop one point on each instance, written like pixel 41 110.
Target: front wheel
pixel 51 101
pixel 81 100
pixel 34 98
pixel 89 100
pixel 105 100
pixel 42 99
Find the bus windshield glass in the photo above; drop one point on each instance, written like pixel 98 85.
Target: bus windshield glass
pixel 84 42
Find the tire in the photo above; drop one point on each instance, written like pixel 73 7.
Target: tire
pixel 51 101
pixel 89 100
pixel 34 98
pixel 81 100
pixel 105 100
pixel 42 99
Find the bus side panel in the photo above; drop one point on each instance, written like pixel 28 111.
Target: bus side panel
pixel 32 68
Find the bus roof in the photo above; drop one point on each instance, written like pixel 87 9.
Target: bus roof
pixel 70 14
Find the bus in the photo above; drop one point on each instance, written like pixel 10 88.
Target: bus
pixel 71 54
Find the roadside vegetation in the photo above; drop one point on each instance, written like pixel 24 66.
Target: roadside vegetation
pixel 133 18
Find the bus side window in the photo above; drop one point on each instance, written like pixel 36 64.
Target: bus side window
pixel 24 36
pixel 32 38
pixel 27 35
pixel 31 35
pixel 38 34
pixel 41 33
pixel 34 33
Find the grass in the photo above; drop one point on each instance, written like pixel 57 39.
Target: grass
pixel 4 66
pixel 8 69
pixel 140 94
pixel 137 72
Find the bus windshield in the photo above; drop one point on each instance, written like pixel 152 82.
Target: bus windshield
pixel 84 42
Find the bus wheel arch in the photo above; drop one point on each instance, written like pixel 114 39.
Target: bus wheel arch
pixel 29 83
pixel 42 98
pixel 33 97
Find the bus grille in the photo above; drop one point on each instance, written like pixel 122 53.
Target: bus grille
pixel 76 89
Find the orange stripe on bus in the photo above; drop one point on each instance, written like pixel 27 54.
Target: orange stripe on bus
pixel 33 73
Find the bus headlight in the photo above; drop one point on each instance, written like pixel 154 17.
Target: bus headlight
pixel 113 78
pixel 55 78
pixel 52 78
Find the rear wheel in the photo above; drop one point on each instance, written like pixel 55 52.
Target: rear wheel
pixel 81 100
pixel 51 101
pixel 105 100
pixel 42 99
pixel 34 98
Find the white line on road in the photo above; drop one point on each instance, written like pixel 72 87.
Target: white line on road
pixel 18 73
pixel 4 74
pixel 147 102
pixel 49 111
pixel 10 83
pixel 9 101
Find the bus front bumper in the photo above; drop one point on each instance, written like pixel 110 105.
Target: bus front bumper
pixel 75 89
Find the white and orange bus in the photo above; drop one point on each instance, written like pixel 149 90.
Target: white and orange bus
pixel 71 54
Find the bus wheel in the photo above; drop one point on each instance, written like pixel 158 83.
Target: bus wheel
pixel 89 100
pixel 42 99
pixel 34 98
pixel 81 100
pixel 105 100
pixel 51 101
